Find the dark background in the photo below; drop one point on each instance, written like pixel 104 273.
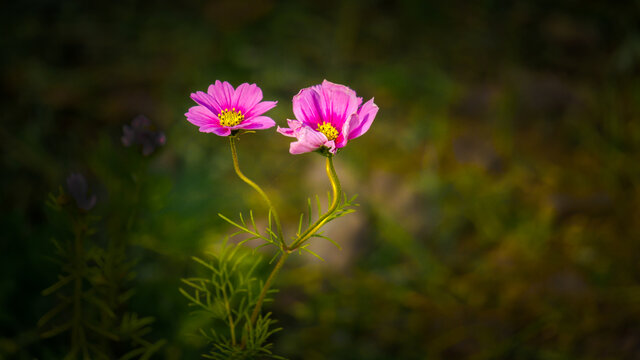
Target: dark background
pixel 498 185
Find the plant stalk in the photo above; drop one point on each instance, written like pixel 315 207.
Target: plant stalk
pixel 77 291
pixel 236 166
pixel 267 285
pixel 337 190
pixel 232 326
pixel 335 184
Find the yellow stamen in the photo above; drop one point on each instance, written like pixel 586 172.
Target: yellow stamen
pixel 328 130
pixel 231 117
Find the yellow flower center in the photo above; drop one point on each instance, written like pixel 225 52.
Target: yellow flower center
pixel 231 117
pixel 328 130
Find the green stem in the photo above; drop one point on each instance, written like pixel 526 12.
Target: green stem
pixel 335 184
pixel 77 292
pixel 267 285
pixel 236 166
pixel 232 326
pixel 337 190
pixel 137 178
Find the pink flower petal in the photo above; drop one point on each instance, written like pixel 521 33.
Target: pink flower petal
pixel 332 147
pixel 223 93
pixel 328 102
pixel 207 101
pixel 294 125
pixel 222 96
pixel 200 116
pixel 256 123
pixel 366 115
pixel 216 129
pixel 307 107
pixel 246 97
pixel 260 109
pixel 308 140
pixel 338 87
pixel 341 141
pixel 339 105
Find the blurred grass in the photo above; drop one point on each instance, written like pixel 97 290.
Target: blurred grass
pixel 498 185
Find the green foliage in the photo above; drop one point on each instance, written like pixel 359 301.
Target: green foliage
pixel 344 206
pixel 227 295
pixel 254 233
pixel 230 296
pixel 92 295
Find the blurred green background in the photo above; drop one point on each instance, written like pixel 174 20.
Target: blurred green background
pixel 499 201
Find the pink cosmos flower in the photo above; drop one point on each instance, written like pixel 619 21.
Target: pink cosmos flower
pixel 222 109
pixel 327 115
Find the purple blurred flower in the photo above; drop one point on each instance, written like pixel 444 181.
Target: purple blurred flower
pixel 77 186
pixel 327 115
pixel 223 109
pixel 142 132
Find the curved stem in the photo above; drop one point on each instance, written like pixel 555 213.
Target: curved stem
pixel 267 285
pixel 337 190
pixel 335 184
pixel 236 166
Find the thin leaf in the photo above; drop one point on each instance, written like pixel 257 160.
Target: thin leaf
pixel 248 239
pixel 100 304
pixel 152 349
pixel 300 225
pixel 329 239
pixel 203 263
pixel 193 285
pixel 318 205
pixel 253 221
pixel 233 223
pixel 52 313
pixel 133 354
pixel 56 330
pixel 100 331
pixel 53 288
pixel 311 252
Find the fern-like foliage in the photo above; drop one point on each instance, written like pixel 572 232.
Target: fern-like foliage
pixel 232 297
pixel 227 295
pixel 75 298
pixel 91 297
pixel 111 282
pixel 345 206
pixel 251 229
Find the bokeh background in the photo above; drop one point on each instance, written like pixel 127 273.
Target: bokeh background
pixel 499 211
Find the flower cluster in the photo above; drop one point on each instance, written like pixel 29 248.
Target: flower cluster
pixel 327 116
